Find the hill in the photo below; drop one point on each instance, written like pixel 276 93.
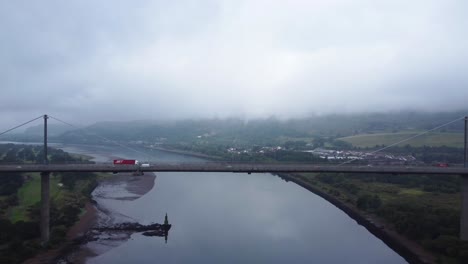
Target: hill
pixel 437 139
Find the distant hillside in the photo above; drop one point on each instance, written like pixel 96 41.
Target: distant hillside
pixel 380 128
pixel 222 130
pixel 36 133
pixel 438 139
pixel 52 129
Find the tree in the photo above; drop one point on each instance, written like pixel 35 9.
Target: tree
pixel 367 201
pixel 10 156
pixel 10 182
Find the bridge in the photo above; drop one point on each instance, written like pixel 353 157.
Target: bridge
pixel 234 167
pixel 46 168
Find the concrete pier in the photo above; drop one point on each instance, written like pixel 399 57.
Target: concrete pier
pixel 464 208
pixel 45 207
pixel 464 191
pixel 45 193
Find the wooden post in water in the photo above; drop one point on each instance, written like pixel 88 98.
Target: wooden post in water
pixel 45 193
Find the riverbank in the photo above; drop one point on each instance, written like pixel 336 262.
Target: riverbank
pixel 86 221
pixel 71 251
pixel 137 186
pixel 408 249
pixel 74 234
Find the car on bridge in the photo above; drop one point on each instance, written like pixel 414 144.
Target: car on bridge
pixel 442 165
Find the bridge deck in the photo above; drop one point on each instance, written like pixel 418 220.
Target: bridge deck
pixel 234 167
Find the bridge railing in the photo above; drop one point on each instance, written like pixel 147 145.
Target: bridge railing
pixel 235 163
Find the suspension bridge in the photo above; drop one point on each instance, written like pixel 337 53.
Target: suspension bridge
pixel 45 169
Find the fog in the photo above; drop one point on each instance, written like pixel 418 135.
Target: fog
pixel 85 61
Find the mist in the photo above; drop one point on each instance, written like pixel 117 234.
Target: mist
pixel 86 61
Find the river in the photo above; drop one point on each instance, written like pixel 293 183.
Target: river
pixel 228 218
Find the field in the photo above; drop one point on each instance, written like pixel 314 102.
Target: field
pixel 431 139
pixel 30 194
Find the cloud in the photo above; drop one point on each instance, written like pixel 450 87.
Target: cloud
pixel 111 60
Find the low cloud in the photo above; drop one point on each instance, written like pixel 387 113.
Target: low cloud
pixel 86 61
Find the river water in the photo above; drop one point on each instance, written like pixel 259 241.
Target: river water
pixel 228 218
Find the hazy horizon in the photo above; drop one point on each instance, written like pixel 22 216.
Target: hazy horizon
pixel 87 61
pixel 388 116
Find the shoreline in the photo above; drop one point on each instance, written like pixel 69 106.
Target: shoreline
pixel 408 249
pixel 72 240
pixel 72 251
pixel 86 221
pixel 137 185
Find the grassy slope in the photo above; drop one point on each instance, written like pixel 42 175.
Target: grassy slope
pixel 391 192
pixel 430 139
pixel 30 194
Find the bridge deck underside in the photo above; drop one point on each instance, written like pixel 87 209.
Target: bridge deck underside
pixel 236 168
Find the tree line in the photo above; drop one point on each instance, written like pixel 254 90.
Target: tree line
pixel 430 217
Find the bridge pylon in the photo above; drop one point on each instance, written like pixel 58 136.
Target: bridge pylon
pixel 464 191
pixel 45 194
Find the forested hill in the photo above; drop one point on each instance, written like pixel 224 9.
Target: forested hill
pixel 257 131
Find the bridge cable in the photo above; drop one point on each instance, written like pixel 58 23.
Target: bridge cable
pixel 8 130
pixel 102 137
pixel 407 139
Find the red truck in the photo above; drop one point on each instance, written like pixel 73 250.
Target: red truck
pixel 125 162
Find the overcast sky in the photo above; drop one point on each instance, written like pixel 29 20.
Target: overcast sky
pixel 85 61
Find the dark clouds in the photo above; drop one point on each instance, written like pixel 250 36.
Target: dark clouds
pixel 112 60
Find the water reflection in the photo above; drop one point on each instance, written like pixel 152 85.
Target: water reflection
pixel 255 218
pixel 113 231
pixel 167 226
pixel 162 231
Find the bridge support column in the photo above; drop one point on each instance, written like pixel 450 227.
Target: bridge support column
pixel 45 207
pixel 464 208
pixel 464 191
pixel 45 193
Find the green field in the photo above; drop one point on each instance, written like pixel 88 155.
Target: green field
pixel 430 139
pixel 30 194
